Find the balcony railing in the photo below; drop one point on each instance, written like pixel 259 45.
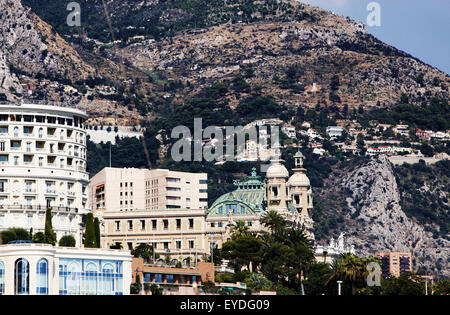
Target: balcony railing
pixel 37 208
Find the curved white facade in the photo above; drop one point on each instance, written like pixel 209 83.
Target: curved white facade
pixel 43 164
pixel 42 269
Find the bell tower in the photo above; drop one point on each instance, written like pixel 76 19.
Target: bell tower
pixel 277 176
pixel 300 194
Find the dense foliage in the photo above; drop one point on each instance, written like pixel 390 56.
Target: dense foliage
pixel 432 116
pixel 50 236
pixel 67 241
pixel 428 205
pixel 89 234
pixel 14 234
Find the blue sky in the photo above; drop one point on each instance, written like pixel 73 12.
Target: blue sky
pixel 418 27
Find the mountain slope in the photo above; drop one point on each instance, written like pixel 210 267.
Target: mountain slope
pixel 280 48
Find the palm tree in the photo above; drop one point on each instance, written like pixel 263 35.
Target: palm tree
pixel 352 269
pixel 299 242
pixel 239 229
pixel 273 221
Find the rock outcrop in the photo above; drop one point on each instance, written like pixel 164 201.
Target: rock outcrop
pixel 8 81
pixel 33 48
pixel 379 224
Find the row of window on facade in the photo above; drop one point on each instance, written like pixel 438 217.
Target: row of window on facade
pixel 31 219
pixel 75 121
pixel 168 278
pixel 50 133
pixel 188 181
pixel 76 276
pixel 40 146
pixel 29 160
pixel 30 186
pixel 154 224
pixel 220 224
pixel 231 209
pixel 165 245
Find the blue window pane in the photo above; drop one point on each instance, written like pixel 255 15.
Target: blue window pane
pixel 42 277
pixel 2 278
pixel 87 276
pixel 22 276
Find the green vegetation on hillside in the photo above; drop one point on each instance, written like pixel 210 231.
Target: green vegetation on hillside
pixel 432 116
pixel 160 18
pixel 424 194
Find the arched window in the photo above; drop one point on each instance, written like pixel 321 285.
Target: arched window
pixel 108 279
pixel 2 278
pixel 73 278
pixel 42 277
pixel 91 272
pixel 16 132
pixel 22 276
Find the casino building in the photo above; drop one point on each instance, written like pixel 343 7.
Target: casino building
pixel 43 165
pixel 290 196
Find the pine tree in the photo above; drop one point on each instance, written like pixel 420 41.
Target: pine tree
pixel 97 232
pixel 50 236
pixel 89 234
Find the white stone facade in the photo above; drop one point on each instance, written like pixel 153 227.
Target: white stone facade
pixel 331 252
pixel 43 164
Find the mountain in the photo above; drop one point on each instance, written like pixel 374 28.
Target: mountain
pixel 299 54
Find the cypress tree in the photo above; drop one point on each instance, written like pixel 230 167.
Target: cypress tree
pixel 50 236
pixel 89 235
pixel 97 232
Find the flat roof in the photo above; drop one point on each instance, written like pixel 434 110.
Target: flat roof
pixel 41 107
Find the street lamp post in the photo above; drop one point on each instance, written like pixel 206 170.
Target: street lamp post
pixel 339 287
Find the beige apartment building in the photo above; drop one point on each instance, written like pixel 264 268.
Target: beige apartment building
pixel 395 263
pixel 130 189
pixel 180 233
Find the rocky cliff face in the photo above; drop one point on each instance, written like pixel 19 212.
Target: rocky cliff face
pixel 30 47
pixel 376 221
pixel 8 81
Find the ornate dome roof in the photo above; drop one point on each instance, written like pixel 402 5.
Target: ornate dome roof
pixel 299 179
pixel 277 170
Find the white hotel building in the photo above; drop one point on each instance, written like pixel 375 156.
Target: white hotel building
pixel 43 164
